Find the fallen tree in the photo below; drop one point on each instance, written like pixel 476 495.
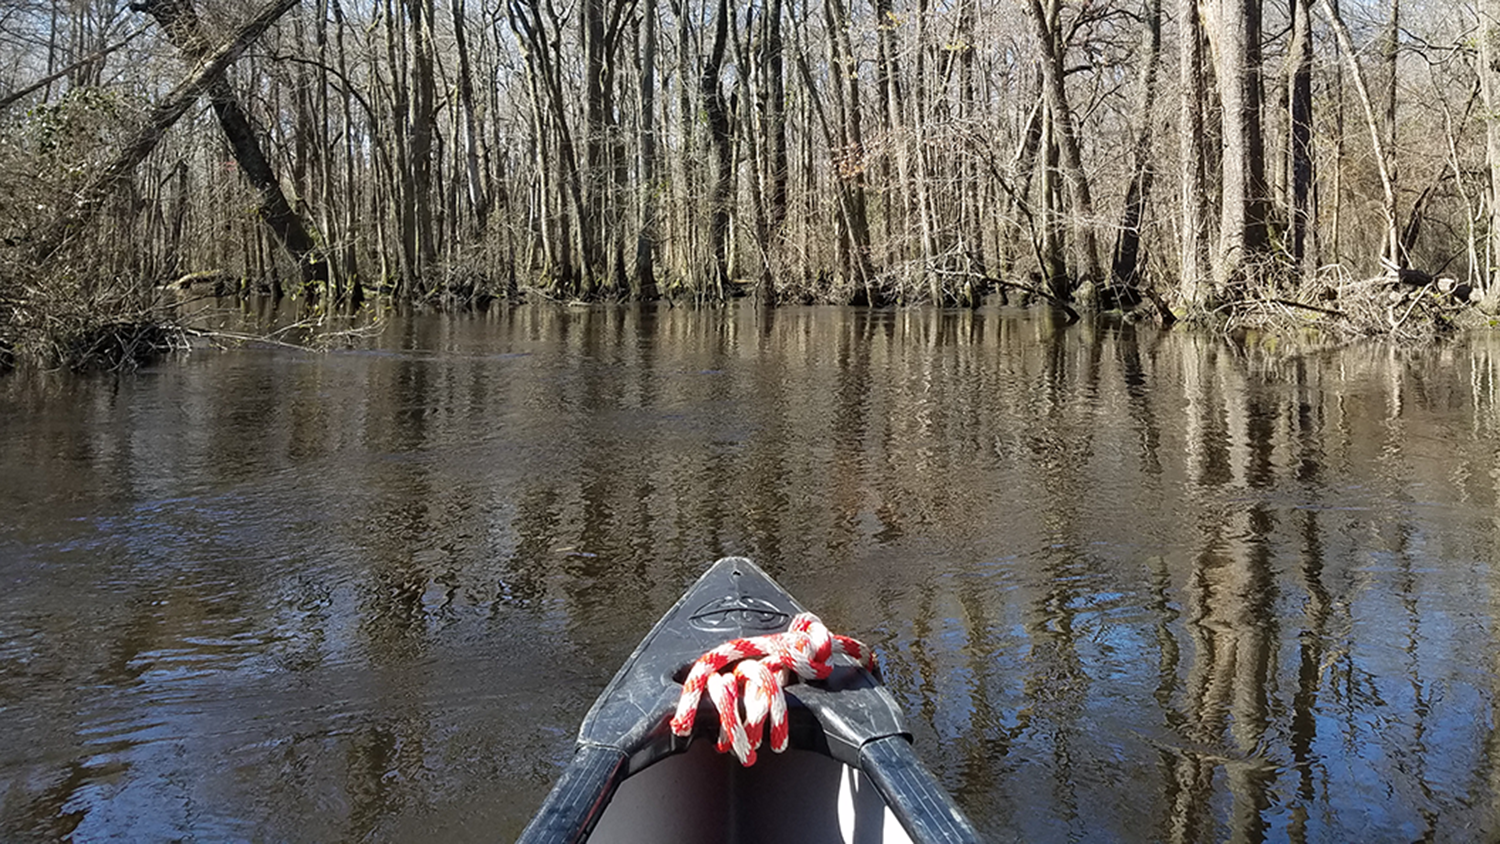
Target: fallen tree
pixel 62 300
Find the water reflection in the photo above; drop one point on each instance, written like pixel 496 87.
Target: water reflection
pixel 1129 585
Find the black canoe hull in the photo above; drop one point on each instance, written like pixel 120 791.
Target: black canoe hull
pixel 850 775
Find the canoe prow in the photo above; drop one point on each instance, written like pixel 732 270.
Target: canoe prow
pixel 849 718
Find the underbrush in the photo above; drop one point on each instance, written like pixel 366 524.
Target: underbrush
pixel 55 320
pixel 1403 305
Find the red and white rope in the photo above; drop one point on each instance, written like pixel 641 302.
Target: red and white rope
pixel 744 679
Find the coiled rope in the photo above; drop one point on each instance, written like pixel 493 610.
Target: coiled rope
pixel 752 672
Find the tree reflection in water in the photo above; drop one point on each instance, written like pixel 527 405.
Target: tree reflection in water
pixel 1129 585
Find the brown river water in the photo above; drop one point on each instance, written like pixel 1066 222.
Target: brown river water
pixel 1129 585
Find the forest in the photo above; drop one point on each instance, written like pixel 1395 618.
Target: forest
pixel 1333 162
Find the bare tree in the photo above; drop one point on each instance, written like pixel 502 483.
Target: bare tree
pixel 179 21
pixel 1235 31
pixel 1195 280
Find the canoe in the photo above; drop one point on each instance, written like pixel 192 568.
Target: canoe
pixel 849 775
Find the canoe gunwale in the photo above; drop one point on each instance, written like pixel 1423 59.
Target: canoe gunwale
pixel 849 717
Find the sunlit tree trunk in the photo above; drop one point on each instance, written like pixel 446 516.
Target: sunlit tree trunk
pixel 1390 53
pixel 145 139
pixel 888 86
pixel 686 242
pixel 1489 73
pixel 1242 221
pixel 401 189
pixel 750 151
pixel 1195 286
pixel 476 191
pixel 849 154
pixel 841 189
pixel 1391 243
pixel 971 187
pixel 1023 167
pixel 773 135
pixel 420 128
pixel 1054 262
pixel 922 161
pixel 561 201
pixel 601 25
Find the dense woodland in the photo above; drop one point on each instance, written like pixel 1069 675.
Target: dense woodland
pixel 1196 158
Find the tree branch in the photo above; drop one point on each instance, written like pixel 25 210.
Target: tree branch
pixel 92 197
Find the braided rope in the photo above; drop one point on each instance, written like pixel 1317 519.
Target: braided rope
pixel 744 679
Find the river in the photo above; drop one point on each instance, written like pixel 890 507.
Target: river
pixel 1130 585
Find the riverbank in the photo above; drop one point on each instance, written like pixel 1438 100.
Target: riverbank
pixel 84 328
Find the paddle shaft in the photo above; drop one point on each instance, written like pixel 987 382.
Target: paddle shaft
pixel 924 809
pixel 573 808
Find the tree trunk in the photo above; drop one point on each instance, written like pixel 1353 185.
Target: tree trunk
pixel 1242 222
pixel 717 112
pixel 895 202
pixel 1023 167
pixel 1196 282
pixel 1300 154
pixel 1489 73
pixel 161 118
pixel 841 190
pixel 774 133
pixel 421 124
pixel 1045 26
pixel 645 268
pixel 597 130
pixel 1124 267
pixel 1390 52
pixel 478 194
pixel 920 163
pixel 179 21
pixel 562 196
pixel 1054 265
pixel 1391 248
pixel 971 189
pixel 849 155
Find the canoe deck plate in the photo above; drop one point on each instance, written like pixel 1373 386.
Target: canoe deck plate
pixel 739 612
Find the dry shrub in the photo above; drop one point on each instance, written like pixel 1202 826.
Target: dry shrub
pixel 82 306
pixel 51 319
pixel 1335 305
